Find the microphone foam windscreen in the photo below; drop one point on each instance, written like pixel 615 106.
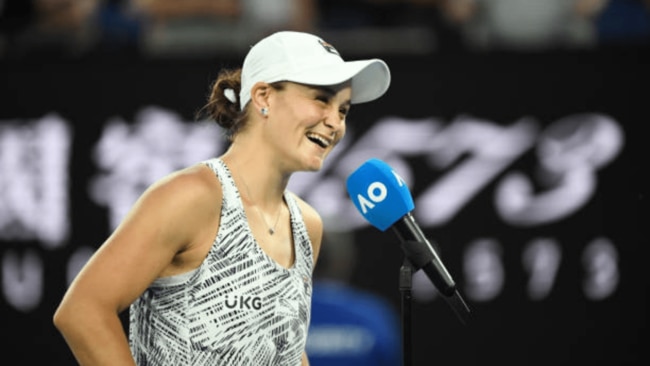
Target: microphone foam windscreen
pixel 379 193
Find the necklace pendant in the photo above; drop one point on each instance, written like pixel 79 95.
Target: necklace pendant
pixel 271 231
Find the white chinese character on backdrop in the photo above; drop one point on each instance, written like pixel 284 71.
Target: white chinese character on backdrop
pixel 133 156
pixel 34 197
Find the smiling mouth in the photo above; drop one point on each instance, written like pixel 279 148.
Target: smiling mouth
pixel 319 140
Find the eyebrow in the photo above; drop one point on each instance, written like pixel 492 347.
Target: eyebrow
pixel 324 89
pixel 331 92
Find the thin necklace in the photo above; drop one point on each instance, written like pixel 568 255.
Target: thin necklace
pixel 259 212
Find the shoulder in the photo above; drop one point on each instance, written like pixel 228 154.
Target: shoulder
pixel 313 223
pixel 183 199
pixel 191 185
pixel 180 206
pixel 312 218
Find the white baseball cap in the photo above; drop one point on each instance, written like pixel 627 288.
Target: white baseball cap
pixel 307 59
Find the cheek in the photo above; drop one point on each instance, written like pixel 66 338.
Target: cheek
pixel 300 114
pixel 340 134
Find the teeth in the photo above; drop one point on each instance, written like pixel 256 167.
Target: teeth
pixel 322 141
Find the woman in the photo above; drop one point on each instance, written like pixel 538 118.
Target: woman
pixel 215 261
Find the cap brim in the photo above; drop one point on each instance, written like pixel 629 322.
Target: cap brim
pixel 369 78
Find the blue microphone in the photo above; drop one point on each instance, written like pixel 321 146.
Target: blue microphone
pixel 379 193
pixel 383 198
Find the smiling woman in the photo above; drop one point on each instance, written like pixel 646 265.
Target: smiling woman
pixel 215 261
pixel 320 115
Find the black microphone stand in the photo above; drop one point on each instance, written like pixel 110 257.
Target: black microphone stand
pixel 405 286
pixel 419 254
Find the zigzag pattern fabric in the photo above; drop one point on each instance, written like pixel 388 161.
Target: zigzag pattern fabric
pixel 240 307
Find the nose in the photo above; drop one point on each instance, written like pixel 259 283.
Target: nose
pixel 334 119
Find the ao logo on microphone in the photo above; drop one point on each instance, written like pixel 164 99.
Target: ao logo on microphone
pixel 376 193
pixel 379 193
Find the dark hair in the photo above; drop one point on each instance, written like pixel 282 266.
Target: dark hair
pixel 227 114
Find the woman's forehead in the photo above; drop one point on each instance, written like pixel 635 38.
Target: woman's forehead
pixel 329 89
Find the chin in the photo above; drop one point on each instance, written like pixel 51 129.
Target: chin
pixel 314 165
pixel 312 160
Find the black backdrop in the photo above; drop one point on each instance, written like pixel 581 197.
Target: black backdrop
pixel 564 326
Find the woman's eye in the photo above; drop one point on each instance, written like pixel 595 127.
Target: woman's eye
pixel 323 98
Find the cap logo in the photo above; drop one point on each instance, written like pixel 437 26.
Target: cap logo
pixel 328 47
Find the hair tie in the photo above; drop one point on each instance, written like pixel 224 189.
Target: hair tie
pixel 230 95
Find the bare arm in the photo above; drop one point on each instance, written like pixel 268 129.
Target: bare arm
pixel 166 221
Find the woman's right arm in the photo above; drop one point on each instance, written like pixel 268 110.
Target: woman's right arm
pixel 162 223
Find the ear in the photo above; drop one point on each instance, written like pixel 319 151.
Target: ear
pixel 260 95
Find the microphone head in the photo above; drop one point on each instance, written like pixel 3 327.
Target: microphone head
pixel 379 193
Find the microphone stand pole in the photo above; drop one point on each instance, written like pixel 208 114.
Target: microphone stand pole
pixel 405 286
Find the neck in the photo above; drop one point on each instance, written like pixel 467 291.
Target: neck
pixel 257 175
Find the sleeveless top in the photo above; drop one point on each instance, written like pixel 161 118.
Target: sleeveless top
pixel 239 307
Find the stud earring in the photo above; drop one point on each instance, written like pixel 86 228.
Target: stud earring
pixel 264 111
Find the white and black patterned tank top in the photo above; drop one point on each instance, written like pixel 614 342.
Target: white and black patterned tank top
pixel 240 307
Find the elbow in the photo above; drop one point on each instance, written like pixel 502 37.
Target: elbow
pixel 59 318
pixel 64 317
